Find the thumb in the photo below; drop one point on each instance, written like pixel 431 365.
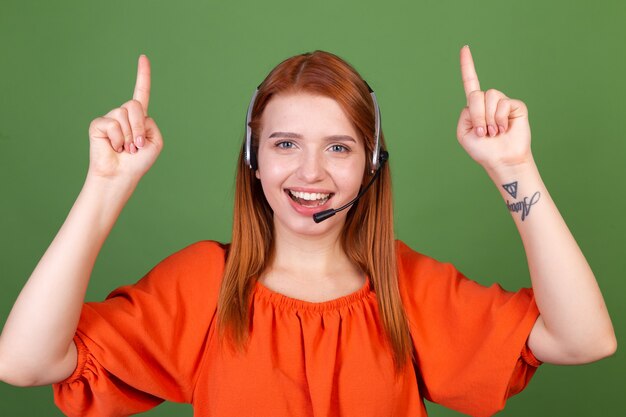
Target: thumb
pixel 465 125
pixel 153 134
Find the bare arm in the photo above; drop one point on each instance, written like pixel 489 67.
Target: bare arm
pixel 574 326
pixel 36 345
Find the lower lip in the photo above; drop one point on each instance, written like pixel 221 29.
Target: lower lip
pixel 308 211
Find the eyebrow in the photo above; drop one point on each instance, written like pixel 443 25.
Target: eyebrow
pixel 291 135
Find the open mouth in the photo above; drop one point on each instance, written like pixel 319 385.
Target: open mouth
pixel 309 199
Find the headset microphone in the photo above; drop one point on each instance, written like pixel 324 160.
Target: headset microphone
pixel 323 215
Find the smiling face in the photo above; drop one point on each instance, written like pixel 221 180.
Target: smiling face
pixel 310 158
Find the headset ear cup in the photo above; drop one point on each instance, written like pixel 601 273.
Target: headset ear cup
pixel 248 156
pixel 376 157
pixel 249 152
pixel 253 164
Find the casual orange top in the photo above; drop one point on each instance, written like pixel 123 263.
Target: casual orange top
pixel 156 340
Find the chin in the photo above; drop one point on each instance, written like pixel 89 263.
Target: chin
pixel 306 226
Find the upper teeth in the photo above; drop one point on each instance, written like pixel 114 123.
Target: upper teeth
pixel 309 196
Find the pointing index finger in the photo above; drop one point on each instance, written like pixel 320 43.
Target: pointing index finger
pixel 142 85
pixel 468 72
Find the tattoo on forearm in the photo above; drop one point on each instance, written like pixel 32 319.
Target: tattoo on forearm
pixel 522 205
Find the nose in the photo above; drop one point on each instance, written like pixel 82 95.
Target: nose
pixel 312 167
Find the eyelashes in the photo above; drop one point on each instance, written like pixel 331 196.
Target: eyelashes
pixel 288 145
pixel 285 144
pixel 339 148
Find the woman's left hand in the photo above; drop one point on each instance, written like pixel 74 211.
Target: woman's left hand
pixel 493 128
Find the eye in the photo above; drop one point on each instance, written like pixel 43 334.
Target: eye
pixel 339 148
pixel 284 145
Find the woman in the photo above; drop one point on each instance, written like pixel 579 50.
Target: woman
pixel 297 317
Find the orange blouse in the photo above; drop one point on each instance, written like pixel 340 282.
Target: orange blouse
pixel 156 340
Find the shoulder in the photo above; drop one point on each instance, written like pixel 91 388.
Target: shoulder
pixel 417 265
pixel 423 280
pixel 204 254
pixel 195 269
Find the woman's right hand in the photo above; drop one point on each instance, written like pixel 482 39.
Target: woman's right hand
pixel 36 346
pixel 125 142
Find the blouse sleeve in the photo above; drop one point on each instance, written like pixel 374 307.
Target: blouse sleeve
pixel 145 342
pixel 469 340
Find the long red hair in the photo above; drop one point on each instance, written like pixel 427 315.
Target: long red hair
pixel 368 233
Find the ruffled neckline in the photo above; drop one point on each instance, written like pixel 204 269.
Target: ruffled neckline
pixel 281 300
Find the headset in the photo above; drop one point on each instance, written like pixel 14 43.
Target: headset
pixel 379 156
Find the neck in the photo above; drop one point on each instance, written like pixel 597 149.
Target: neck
pixel 311 268
pixel 308 258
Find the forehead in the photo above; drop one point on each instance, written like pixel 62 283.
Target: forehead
pixel 306 114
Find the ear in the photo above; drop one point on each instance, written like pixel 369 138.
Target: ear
pixel 257 175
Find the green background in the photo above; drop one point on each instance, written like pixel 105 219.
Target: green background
pixel 65 63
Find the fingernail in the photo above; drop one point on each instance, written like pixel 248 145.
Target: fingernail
pixel 480 131
pixel 492 130
pixel 132 148
pixel 120 149
pixel 139 141
pixel 502 129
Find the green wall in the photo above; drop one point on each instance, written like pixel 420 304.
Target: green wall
pixel 64 63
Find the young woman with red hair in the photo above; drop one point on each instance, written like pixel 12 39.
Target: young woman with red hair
pixel 296 317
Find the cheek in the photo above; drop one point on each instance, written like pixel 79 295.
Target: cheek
pixel 271 173
pixel 351 175
pixel 269 164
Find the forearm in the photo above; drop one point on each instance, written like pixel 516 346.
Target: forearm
pixel 42 323
pixel 572 308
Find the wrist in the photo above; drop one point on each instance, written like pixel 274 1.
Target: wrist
pixel 111 190
pixel 117 185
pixel 505 173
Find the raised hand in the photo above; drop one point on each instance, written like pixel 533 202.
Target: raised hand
pixel 493 128
pixel 126 141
